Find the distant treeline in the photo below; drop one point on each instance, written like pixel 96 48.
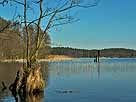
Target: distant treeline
pixel 111 52
pixel 13 40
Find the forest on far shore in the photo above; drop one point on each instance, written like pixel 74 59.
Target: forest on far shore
pixel 11 46
pixel 78 53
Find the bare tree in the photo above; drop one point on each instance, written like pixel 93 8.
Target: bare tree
pixel 49 14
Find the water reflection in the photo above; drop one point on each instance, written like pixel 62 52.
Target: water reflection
pixel 98 70
pixel 94 70
pixel 31 98
pixel 45 71
pixel 7 75
pixel 107 81
pixel 89 78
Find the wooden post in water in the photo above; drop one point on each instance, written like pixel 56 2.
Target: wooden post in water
pixel 98 56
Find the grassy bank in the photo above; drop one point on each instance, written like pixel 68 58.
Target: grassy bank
pixel 49 58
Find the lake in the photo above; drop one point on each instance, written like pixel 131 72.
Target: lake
pixel 80 80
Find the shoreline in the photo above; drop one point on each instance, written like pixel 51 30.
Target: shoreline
pixel 48 59
pixel 56 58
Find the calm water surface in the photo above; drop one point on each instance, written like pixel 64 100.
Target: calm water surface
pixel 81 80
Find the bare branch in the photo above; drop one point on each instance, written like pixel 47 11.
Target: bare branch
pixel 18 2
pixel 44 34
pixel 26 31
pixel 39 22
pixel 5 27
pixel 54 12
pixel 3 2
pixel 62 9
pixel 91 5
pixel 64 23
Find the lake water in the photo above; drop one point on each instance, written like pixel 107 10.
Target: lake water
pixel 81 80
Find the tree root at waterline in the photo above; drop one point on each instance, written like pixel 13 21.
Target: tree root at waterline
pixel 28 82
pixel 34 82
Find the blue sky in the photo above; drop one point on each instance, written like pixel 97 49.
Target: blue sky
pixel 111 24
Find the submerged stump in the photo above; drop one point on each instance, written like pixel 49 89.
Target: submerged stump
pixel 28 82
pixel 34 81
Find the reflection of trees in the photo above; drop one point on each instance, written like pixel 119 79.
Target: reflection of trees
pixel 35 98
pixel 7 74
pixel 45 71
pixel 118 67
pixel 31 97
pixel 70 68
pixel 95 70
pixel 98 70
pixel 79 67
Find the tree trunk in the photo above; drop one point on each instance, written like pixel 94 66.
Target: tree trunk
pixel 34 82
pixel 28 82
